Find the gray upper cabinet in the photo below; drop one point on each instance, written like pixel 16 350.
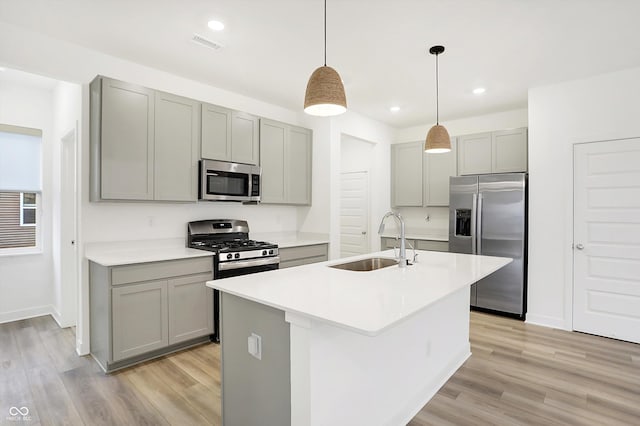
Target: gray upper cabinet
pixel 229 135
pixel 177 140
pixel 216 132
pixel 474 154
pixel 509 151
pixel 437 168
pixel 122 134
pixel 406 174
pixel 419 179
pixel 285 158
pixel 245 140
pixel 144 143
pixel 494 152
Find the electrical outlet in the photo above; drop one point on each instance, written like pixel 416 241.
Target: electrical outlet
pixel 254 346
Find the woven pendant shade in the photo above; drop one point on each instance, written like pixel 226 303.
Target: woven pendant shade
pixel 438 140
pixel 325 93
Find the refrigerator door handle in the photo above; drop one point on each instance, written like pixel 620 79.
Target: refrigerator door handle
pixel 473 223
pixel 479 225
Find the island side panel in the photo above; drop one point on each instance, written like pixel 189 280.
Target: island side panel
pixel 384 379
pixel 254 391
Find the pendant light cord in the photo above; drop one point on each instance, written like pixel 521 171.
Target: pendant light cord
pixel 325 33
pixel 437 93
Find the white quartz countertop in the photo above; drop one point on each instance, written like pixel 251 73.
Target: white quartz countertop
pixel 129 252
pixel 291 239
pixel 364 302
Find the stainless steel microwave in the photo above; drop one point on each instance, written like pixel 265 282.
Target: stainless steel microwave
pixel 223 181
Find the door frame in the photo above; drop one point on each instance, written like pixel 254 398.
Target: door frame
pixel 70 282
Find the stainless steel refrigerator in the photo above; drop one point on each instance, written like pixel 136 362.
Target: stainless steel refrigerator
pixel 488 216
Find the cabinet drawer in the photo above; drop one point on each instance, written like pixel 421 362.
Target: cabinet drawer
pixel 305 261
pixel 432 245
pixel 158 270
pixel 302 252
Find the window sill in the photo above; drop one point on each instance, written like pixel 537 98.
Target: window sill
pixel 20 251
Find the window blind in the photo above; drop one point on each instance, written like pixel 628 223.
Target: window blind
pixel 20 159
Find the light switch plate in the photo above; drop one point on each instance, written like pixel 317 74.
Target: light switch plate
pixel 254 346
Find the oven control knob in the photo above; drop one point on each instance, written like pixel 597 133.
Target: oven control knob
pixel 270 251
pixel 237 255
pixel 229 256
pixel 264 252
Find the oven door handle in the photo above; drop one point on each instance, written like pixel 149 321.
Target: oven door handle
pixel 238 264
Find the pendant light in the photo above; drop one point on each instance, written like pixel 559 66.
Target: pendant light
pixel 325 91
pixel 438 140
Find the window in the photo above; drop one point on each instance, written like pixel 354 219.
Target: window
pixel 20 188
pixel 28 209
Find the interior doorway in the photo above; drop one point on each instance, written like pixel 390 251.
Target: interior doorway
pixel 356 167
pixel 606 257
pixel 68 230
pixel 354 213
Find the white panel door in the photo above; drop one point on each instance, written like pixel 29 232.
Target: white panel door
pixel 606 260
pixel 354 214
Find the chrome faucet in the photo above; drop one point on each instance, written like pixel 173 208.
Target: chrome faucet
pixel 402 261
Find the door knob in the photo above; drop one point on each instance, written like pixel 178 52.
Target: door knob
pixel 579 246
pixel 364 232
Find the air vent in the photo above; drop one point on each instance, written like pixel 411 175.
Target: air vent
pixel 206 43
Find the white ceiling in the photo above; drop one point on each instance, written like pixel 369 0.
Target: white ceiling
pixel 378 47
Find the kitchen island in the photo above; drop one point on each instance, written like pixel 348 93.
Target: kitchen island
pixel 316 345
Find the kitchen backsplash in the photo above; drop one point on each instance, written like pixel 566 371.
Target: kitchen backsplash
pixel 422 220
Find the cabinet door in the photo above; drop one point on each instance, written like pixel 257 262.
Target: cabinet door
pixel 297 173
pixel 272 142
pixel 437 169
pixel 406 174
pixel 177 137
pixel 509 150
pixel 216 133
pixel 245 146
pixel 126 142
pixel 474 154
pixel 190 308
pixel 139 313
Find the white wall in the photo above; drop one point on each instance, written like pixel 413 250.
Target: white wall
pixel 595 109
pixel 25 280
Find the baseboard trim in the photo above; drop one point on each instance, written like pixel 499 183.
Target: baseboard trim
pixel 546 321
pixel 21 314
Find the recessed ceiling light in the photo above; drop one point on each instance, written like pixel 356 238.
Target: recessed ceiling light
pixel 479 90
pixel 216 25
pixel 394 108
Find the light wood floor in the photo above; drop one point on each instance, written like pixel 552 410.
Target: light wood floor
pixel 518 374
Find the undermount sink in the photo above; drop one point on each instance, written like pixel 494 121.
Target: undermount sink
pixel 365 265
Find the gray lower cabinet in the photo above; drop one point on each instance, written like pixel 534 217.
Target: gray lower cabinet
pixel 431 245
pixel 139 313
pixel 229 135
pixel 144 143
pixel 303 255
pixel 144 310
pixel 285 158
pixel 419 179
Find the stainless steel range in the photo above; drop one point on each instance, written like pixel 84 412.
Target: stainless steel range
pixel 235 253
